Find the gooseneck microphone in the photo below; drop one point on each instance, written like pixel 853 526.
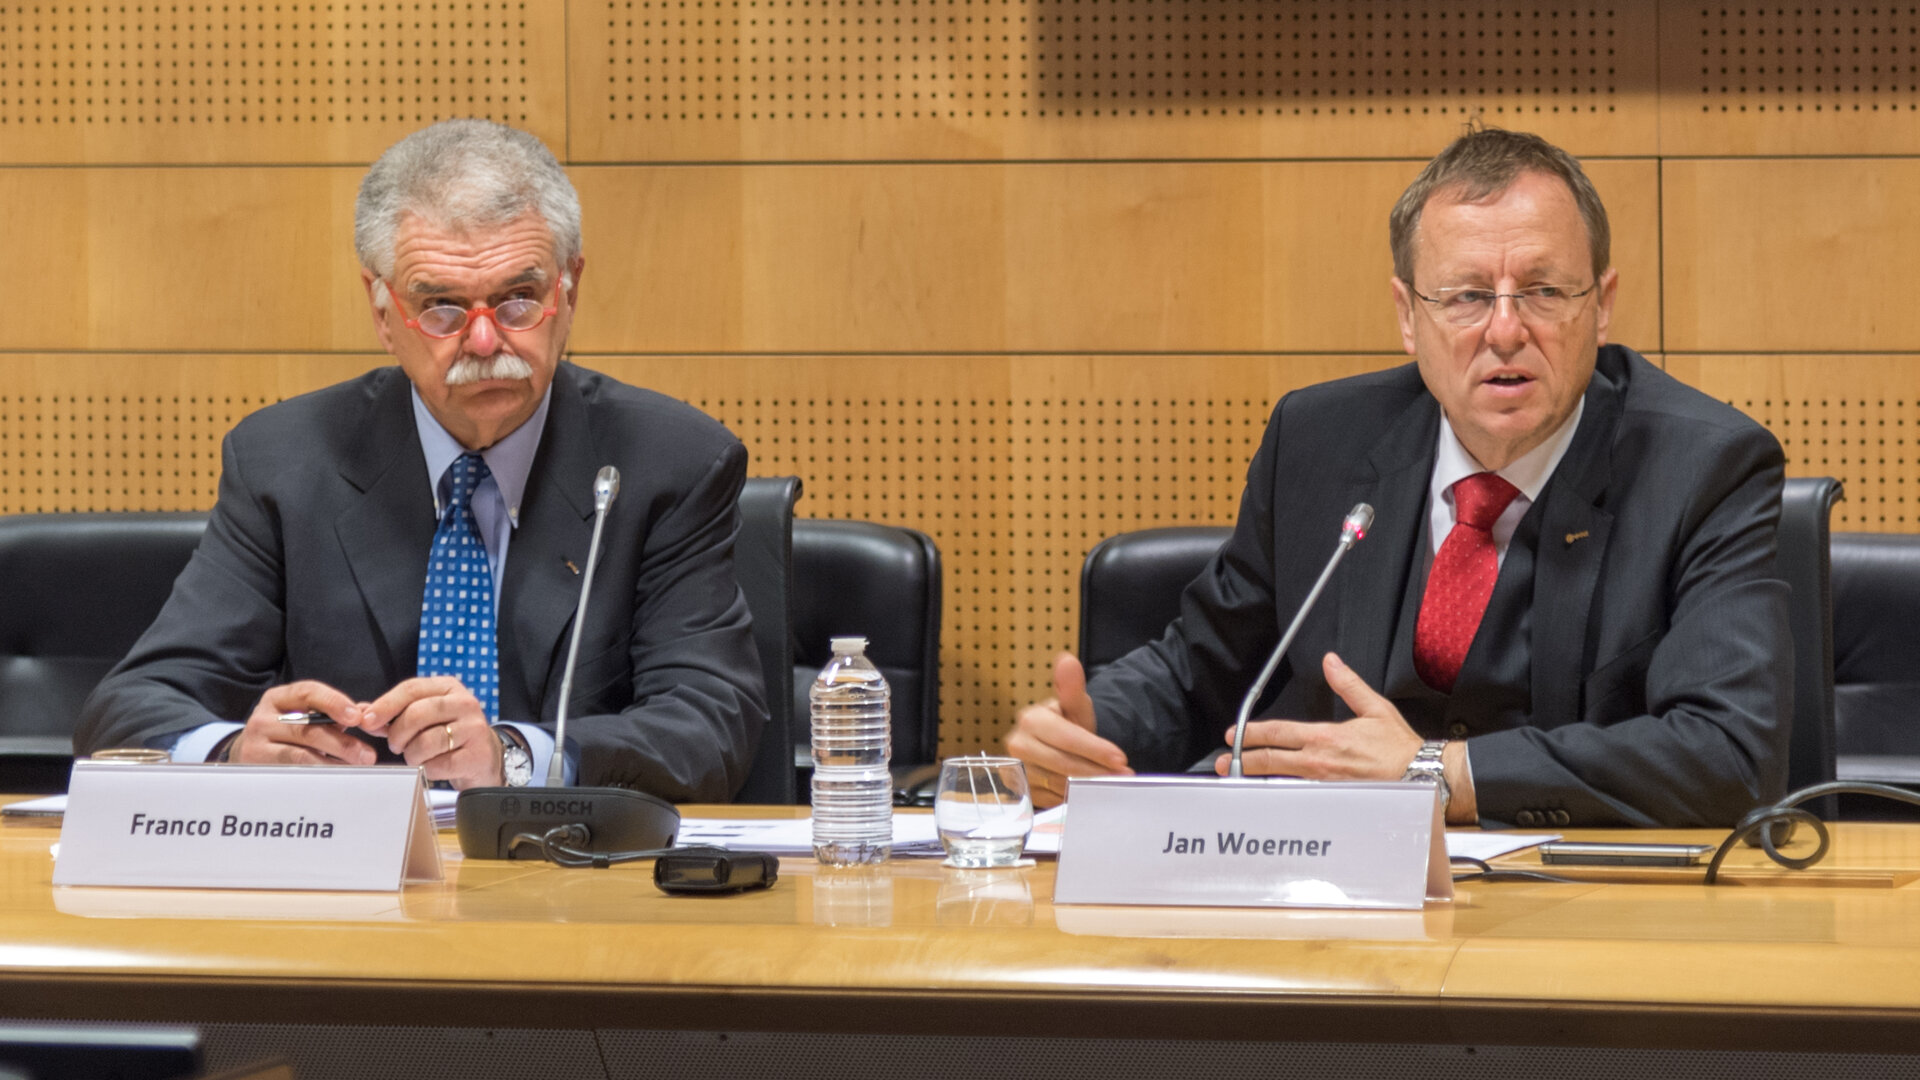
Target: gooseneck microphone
pixel 1358 521
pixel 606 485
pixel 529 822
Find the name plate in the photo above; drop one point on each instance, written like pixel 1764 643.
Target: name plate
pixel 340 827
pixel 1253 842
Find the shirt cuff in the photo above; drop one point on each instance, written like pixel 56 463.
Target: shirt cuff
pixel 540 750
pixel 198 742
pixel 1466 764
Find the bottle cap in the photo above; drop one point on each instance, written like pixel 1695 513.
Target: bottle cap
pixel 847 646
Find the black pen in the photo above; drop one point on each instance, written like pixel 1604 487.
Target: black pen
pixel 310 716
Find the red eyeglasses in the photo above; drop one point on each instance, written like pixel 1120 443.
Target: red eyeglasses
pixel 519 314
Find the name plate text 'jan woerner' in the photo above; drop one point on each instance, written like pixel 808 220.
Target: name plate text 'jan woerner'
pixel 1205 841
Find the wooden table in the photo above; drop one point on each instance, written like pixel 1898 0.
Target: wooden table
pixel 1781 961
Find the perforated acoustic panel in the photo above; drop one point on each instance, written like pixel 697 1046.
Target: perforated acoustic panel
pixel 268 82
pixel 840 78
pixel 1790 78
pixel 1016 466
pixel 1855 417
pixel 118 432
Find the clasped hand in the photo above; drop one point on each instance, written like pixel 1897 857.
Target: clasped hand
pixel 434 722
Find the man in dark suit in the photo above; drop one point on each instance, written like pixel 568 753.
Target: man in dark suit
pixel 1567 611
pixel 402 552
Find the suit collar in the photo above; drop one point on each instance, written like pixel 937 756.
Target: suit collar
pixel 1394 481
pixel 549 552
pixel 1574 533
pixel 385 536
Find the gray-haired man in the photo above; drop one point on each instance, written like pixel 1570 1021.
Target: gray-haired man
pixel 401 552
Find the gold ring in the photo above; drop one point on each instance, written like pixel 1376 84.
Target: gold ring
pixel 449 738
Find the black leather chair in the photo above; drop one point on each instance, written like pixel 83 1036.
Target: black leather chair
pixel 1130 587
pixel 80 589
pixel 1876 665
pixel 881 582
pixel 1806 513
pixel 1876 644
pixel 763 563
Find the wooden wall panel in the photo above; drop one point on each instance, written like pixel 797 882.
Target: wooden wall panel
pixel 1215 256
pixel 198 259
pixel 269 82
pixel 1175 256
pixel 1852 417
pixel 1789 79
pixel 1792 255
pixel 823 80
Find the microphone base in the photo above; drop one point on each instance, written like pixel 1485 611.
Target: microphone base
pixel 487 819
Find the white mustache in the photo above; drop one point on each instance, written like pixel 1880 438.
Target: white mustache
pixel 473 369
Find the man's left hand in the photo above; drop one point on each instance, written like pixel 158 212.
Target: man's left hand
pixel 1376 744
pixel 436 723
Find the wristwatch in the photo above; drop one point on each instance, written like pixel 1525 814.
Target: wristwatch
pixel 515 764
pixel 1426 766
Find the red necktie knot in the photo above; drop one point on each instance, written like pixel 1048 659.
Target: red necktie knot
pixel 1480 499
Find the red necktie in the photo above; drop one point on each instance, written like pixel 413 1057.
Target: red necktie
pixel 1461 580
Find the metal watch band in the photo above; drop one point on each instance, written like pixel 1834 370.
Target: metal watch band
pixel 1426 765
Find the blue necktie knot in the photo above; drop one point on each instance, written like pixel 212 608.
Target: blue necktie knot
pixel 464 477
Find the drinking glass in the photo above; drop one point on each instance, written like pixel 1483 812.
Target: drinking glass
pixel 983 811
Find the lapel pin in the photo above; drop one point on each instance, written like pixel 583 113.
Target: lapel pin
pixel 1571 537
pixel 576 570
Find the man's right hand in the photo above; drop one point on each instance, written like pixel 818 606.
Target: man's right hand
pixel 268 741
pixel 1055 737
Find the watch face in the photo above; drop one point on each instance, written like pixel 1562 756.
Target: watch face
pixel 517 767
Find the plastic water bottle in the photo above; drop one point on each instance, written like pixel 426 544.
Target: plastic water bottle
pixel 852 742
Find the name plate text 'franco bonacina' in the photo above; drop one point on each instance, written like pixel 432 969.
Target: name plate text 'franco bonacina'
pixel 246 827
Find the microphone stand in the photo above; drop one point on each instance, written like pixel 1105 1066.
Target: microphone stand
pixel 1358 521
pixel 606 485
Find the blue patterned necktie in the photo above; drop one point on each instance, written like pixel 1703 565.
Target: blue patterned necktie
pixel 456 612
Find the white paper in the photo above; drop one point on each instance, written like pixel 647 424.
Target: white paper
pixel 913 835
pixel 1492 845
pixel 441 800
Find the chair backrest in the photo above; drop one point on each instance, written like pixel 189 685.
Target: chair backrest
pixel 1130 587
pixel 881 582
pixel 763 563
pixel 1876 643
pixel 80 590
pixel 1806 513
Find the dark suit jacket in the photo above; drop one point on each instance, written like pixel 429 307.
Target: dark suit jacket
pixel 1660 685
pixel 315 558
